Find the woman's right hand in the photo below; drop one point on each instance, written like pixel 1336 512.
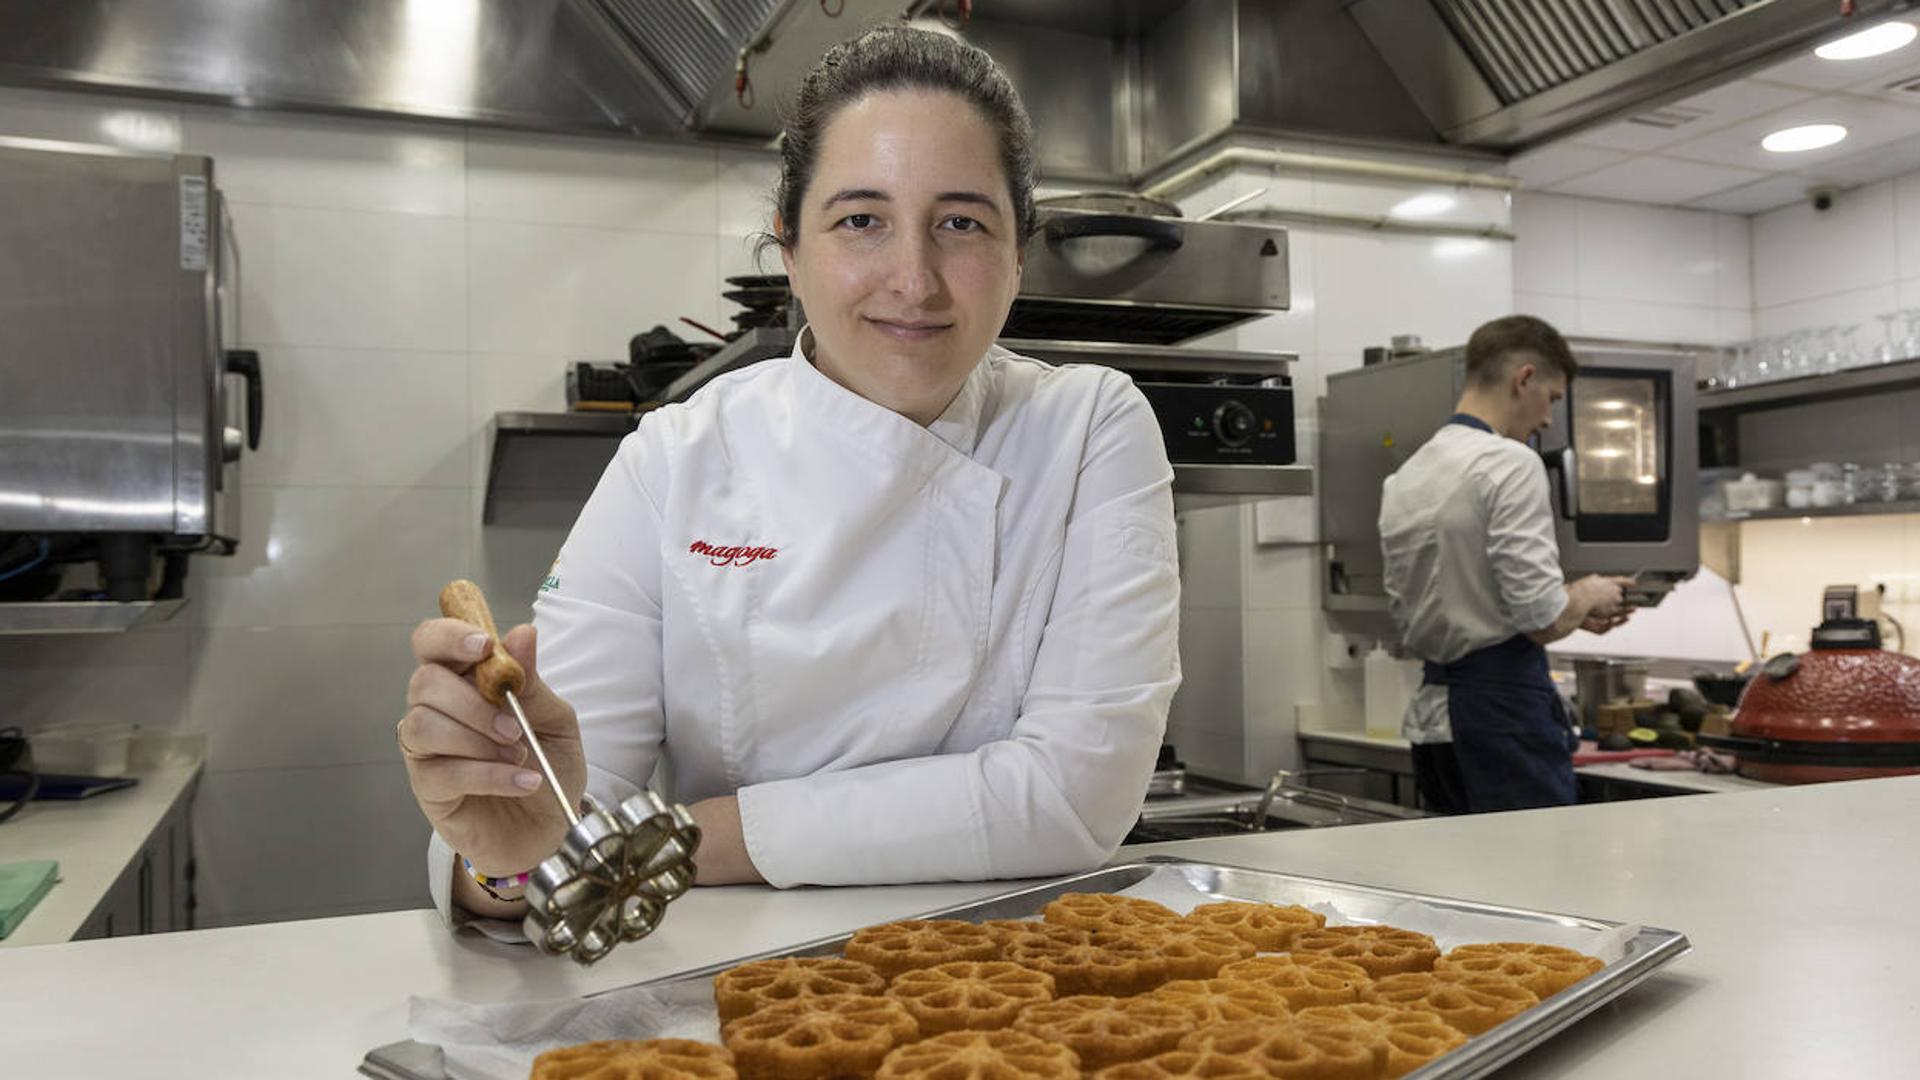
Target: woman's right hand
pixel 473 775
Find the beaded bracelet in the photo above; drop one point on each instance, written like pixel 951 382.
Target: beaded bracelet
pixel 489 884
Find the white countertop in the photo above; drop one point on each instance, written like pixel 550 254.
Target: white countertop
pixel 1683 779
pixel 93 840
pixel 1798 901
pixel 1354 738
pixel 1620 770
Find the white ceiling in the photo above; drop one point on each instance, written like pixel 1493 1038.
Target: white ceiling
pixel 1713 160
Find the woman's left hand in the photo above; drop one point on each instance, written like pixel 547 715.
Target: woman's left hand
pixel 722 858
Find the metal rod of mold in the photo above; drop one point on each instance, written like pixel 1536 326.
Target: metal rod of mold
pixel 540 756
pixel 1293 161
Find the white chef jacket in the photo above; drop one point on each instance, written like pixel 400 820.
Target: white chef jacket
pixel 1466 526
pixel 913 653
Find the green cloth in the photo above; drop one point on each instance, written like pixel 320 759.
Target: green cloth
pixel 22 884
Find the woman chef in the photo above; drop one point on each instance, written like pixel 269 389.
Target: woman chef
pixel 901 606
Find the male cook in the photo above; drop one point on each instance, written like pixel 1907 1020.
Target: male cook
pixel 1473 577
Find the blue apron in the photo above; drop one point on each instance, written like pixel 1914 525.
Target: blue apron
pixel 1512 737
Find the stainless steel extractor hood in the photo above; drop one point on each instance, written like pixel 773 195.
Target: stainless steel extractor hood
pixel 663 68
pixel 537 64
pixel 1118 88
pixel 1507 74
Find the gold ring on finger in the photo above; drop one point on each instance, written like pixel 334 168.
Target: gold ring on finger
pixel 406 751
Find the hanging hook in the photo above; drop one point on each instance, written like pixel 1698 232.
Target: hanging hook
pixel 833 12
pixel 742 83
pixel 962 8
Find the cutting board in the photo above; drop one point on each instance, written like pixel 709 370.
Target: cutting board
pixel 22 884
pixel 1591 754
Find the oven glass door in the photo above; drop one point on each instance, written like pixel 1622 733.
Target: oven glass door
pixel 1621 432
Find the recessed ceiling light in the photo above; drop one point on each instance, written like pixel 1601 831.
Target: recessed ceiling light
pixel 1425 205
pixel 1872 41
pixel 1805 137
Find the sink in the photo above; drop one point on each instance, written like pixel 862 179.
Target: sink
pixel 1200 827
pixel 1236 809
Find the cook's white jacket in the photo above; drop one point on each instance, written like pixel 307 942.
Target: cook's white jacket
pixel 914 653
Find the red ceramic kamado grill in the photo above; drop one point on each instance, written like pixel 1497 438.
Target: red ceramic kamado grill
pixel 1844 710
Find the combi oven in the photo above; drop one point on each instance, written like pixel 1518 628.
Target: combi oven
pixel 123 414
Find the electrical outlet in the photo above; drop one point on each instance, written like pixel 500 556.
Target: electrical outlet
pixel 1900 588
pixel 1345 653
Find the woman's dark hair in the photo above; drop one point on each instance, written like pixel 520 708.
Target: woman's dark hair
pixel 897 57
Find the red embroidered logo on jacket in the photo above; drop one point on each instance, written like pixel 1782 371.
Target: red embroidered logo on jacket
pixel 732 556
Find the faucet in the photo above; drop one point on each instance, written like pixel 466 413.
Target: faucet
pixel 1283 782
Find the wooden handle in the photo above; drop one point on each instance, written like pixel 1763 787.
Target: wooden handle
pixel 498 673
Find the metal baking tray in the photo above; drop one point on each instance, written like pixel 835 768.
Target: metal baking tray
pixel 1645 952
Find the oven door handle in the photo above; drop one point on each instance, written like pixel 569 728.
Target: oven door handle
pixel 246 364
pixel 1160 234
pixel 1561 463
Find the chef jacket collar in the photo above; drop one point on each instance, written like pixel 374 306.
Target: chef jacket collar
pixel 958 427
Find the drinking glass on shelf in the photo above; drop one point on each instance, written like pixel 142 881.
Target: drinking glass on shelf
pixel 1798 355
pixel 1850 354
pixel 1891 478
pixel 1889 350
pixel 1826 354
pixel 1855 484
pixel 1722 369
pixel 1910 345
pixel 1766 360
pixel 1739 365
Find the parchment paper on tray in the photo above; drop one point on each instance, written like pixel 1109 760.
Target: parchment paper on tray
pixel 1447 928
pixel 499 1042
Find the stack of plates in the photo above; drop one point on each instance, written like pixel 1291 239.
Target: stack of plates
pixel 765 298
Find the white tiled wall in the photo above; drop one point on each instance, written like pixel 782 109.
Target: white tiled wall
pixel 1253 637
pixel 402 283
pixel 1612 269
pixel 1811 269
pixel 1845 265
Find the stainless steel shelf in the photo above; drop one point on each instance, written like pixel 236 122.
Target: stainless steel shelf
pixel 84 616
pixel 544 465
pixel 1176 358
pixel 1868 509
pixel 750 347
pixel 1854 382
pixel 616 424
pixel 1352 602
pixel 1258 481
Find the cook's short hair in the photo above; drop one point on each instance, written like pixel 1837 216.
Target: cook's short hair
pixel 1497 345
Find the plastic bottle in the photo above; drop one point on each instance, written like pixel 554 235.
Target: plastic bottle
pixel 1388 692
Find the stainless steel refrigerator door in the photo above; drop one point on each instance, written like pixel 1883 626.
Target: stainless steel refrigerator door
pixel 1371 421
pixel 1623 455
pixel 109 360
